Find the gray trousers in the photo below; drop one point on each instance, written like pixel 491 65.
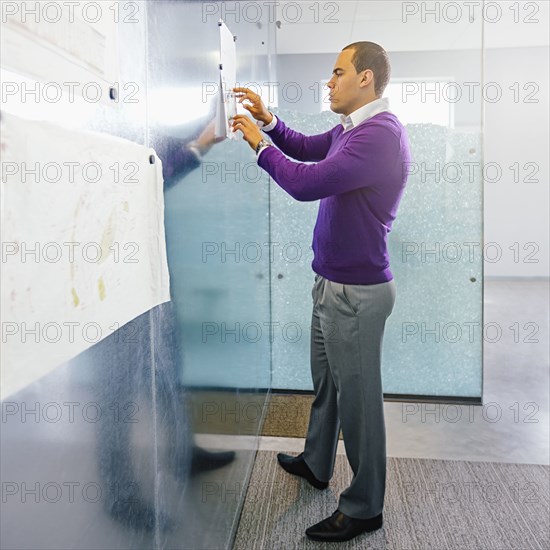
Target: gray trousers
pixel 347 328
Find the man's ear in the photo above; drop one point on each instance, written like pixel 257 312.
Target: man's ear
pixel 367 78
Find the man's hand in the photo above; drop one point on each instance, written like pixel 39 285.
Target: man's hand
pixel 251 132
pixel 257 108
pixel 207 138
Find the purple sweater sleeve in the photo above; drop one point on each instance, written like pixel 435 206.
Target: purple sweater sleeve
pixel 361 160
pixel 297 145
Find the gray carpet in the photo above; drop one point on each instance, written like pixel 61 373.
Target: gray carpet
pixel 429 504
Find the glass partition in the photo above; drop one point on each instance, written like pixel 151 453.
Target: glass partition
pixel 217 232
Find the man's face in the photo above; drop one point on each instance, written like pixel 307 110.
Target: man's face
pixel 346 91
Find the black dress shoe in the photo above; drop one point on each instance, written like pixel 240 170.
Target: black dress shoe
pixel 204 461
pixel 297 466
pixel 339 527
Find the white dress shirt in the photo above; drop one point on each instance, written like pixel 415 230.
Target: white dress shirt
pixel 365 112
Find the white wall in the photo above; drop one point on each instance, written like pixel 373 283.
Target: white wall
pixel 518 132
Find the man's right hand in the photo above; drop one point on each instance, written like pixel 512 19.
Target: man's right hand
pixel 257 108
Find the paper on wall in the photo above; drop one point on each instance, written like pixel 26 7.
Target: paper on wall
pixel 83 245
pixel 228 80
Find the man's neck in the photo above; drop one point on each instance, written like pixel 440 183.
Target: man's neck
pixel 353 109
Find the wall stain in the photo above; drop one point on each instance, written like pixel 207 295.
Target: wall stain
pixel 101 288
pixel 76 299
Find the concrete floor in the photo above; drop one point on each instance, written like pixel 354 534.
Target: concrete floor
pixel 512 425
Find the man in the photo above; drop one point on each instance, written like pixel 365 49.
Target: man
pixel 359 174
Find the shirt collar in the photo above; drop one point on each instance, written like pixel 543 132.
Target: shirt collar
pixel 365 112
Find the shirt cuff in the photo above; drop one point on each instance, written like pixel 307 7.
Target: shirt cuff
pixel 194 148
pixel 270 126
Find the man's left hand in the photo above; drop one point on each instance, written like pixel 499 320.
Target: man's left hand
pixel 251 133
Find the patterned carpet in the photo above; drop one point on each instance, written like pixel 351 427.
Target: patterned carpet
pixel 429 504
pixel 288 415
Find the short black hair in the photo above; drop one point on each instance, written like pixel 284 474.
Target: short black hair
pixel 368 55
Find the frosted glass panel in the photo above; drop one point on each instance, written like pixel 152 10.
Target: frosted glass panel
pixel 220 271
pixel 433 339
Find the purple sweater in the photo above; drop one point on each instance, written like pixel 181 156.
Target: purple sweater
pixel 359 177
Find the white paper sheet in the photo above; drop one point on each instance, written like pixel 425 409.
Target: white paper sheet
pixel 228 80
pixel 91 208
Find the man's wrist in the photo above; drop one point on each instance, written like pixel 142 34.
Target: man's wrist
pixel 268 120
pixel 262 143
pixel 267 128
